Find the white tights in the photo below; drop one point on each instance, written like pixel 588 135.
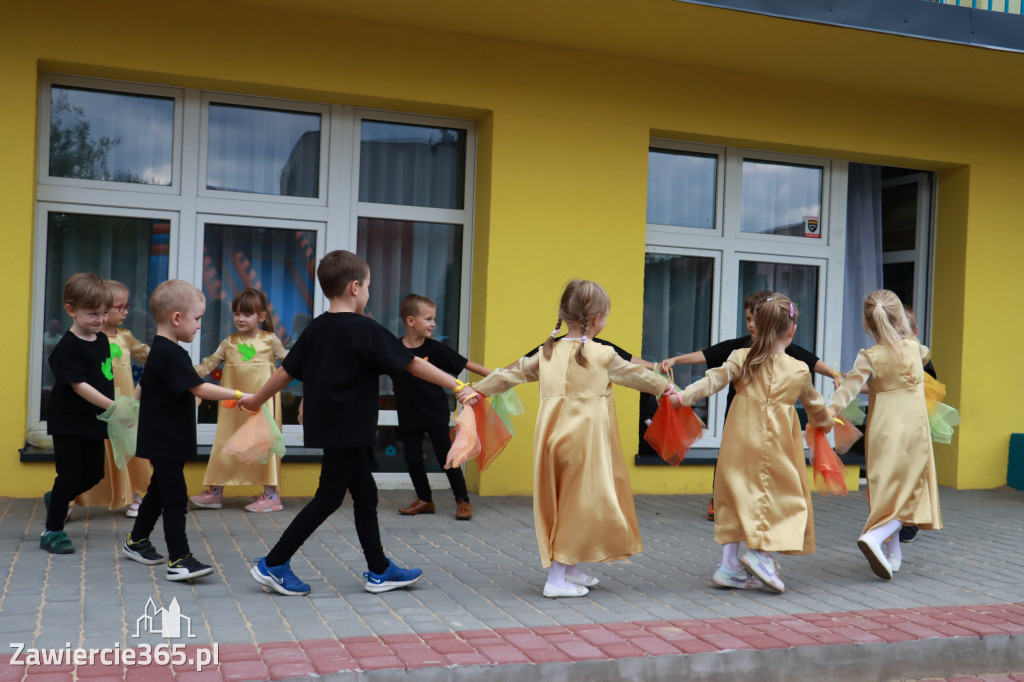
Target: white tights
pixel 558 571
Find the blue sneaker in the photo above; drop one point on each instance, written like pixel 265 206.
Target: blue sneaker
pixel 908 533
pixel 394 577
pixel 279 578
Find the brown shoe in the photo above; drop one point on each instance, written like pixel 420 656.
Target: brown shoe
pixel 463 510
pixel 417 507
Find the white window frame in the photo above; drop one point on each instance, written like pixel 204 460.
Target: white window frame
pixel 188 205
pixel 696 149
pixel 322 110
pixel 828 253
pixel 46 84
pixel 37 427
pixel 923 252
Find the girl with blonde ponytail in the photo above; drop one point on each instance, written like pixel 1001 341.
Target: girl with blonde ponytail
pixel 761 493
pixel 899 459
pixel 582 502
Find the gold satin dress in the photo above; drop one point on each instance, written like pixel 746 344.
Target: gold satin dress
pixel 118 488
pixel 248 363
pixel 762 496
pixel 897 439
pixel 582 500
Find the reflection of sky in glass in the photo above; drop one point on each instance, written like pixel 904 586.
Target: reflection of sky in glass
pixel 412 165
pixel 681 189
pixel 263 151
pixel 143 125
pixel 799 282
pixel 777 197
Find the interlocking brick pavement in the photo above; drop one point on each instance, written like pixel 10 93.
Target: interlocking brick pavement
pixel 956 602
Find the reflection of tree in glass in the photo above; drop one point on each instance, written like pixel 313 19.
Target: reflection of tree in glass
pixel 73 154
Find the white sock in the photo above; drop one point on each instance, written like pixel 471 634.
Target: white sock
pixel 730 556
pixel 138 498
pixel 892 547
pixel 270 492
pixel 217 490
pixel 882 533
pixel 556 574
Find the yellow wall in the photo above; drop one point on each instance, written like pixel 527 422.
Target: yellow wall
pixel 561 180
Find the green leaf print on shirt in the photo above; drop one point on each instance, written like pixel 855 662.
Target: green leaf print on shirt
pixel 105 368
pixel 247 351
pixel 115 350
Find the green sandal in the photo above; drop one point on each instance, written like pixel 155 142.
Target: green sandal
pixel 56 542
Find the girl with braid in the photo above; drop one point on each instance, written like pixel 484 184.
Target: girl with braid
pixel 582 501
pixel 762 497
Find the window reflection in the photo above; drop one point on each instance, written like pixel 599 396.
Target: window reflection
pixel 116 137
pixel 799 282
pixel 778 197
pixel 263 151
pixel 279 262
pixel 681 188
pixel 408 257
pixel 133 251
pixel 412 165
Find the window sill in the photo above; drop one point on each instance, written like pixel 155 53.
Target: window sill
pixel 34 453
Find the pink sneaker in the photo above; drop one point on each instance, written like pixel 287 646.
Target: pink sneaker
pixel 265 504
pixel 207 499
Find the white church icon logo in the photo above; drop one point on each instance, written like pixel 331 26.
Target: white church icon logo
pixel 163 622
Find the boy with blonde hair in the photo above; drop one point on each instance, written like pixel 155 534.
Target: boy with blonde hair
pixel 167 428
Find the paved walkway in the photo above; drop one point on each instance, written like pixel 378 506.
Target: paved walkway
pixel 956 607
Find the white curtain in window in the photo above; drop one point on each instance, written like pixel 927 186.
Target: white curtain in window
pixel 863 255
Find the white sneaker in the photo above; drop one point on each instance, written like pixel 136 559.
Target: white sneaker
pixel 569 590
pixel 763 569
pixel 875 556
pixel 736 580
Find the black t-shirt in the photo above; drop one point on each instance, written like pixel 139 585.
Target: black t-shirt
pixel 622 353
pixel 717 354
pixel 339 359
pixel 167 413
pixel 421 403
pixel 73 361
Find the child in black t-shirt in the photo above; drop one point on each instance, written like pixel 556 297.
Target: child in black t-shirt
pixel 167 428
pixel 83 388
pixel 339 358
pixel 716 355
pixel 423 407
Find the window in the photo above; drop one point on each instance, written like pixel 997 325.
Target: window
pixel 144 183
pixel 722 223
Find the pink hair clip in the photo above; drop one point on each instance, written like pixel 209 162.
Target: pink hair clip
pixel 584 339
pixel 792 311
pixel 555 333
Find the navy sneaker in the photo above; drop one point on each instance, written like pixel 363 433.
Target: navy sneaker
pixel 394 577
pixel 187 568
pixel 908 533
pixel 142 551
pixel 279 578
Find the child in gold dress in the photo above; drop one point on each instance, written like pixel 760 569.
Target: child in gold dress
pixel 582 501
pixel 120 489
pixel 762 496
pixel 249 359
pixel 898 444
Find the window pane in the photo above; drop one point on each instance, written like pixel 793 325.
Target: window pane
pixel 118 137
pixel 678 293
pixel 899 279
pixel 264 151
pixel 799 282
pixel 280 263
pixel 899 217
pixel 412 258
pixel 130 250
pixel 778 197
pixel 412 165
pixel 681 188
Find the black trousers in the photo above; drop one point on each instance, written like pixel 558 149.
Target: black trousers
pixel 79 463
pixel 342 470
pixel 412 445
pixel 167 495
